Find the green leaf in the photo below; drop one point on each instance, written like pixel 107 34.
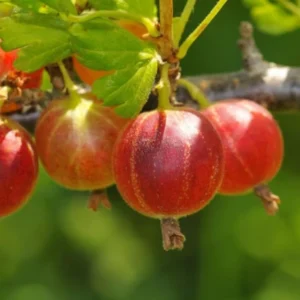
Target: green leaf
pixel 28 4
pixel 32 6
pixel 128 88
pixel 103 45
pixel 145 8
pixel 65 6
pixel 272 18
pixel 43 39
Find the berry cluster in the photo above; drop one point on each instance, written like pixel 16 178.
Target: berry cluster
pixel 166 163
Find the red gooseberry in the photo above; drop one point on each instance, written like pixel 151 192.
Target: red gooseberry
pixel 168 163
pixel 18 166
pixel 74 141
pixel 252 141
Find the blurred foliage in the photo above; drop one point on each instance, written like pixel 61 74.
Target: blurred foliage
pixel 275 18
pixel 55 248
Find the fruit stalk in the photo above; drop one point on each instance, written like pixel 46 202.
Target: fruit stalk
pixel 164 88
pixel 190 4
pixel 183 49
pixel 68 82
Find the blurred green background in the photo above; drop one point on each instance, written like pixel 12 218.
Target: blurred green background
pixel 55 248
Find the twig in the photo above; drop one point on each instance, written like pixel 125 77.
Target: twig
pixel 253 61
pixel 276 87
pixel 166 28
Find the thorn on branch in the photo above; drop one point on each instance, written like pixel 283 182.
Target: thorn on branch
pixel 253 60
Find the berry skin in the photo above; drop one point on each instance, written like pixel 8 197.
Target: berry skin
pixel 6 61
pixel 18 166
pixel 89 76
pixel 74 141
pixel 252 142
pixel 168 163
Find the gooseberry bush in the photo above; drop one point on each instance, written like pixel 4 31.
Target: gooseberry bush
pixel 167 163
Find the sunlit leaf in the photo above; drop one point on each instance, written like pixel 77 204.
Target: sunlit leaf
pixel 128 88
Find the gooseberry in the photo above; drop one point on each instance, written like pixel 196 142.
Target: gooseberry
pixel 252 141
pixel 168 164
pixel 74 140
pixel 18 166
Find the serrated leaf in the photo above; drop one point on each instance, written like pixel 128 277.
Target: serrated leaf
pixel 28 31
pixel 145 8
pixel 273 20
pixel 128 88
pixel 103 45
pixel 65 6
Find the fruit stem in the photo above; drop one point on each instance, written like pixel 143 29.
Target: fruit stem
pixel 187 11
pixel 269 200
pixel 171 234
pixel 164 88
pixel 166 27
pixel 117 14
pixel 183 49
pixel 195 92
pixel 69 83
